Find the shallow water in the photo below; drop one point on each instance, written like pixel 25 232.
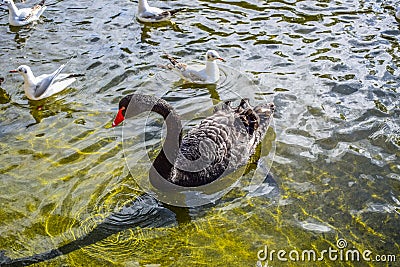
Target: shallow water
pixel 330 67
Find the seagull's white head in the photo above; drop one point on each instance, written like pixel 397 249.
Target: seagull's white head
pixel 212 55
pixel 24 70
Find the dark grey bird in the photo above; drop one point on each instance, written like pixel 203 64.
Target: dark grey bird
pixel 217 146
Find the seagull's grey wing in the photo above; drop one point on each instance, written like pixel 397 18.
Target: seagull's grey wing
pixel 155 14
pixel 25 13
pixel 44 84
pixel 162 15
pixel 194 74
pixel 34 11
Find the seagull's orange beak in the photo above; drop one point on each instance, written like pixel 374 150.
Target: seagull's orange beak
pixel 13 71
pixel 220 58
pixel 119 118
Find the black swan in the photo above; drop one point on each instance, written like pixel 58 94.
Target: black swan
pixel 217 146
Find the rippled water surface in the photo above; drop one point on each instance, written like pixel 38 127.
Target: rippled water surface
pixel 330 67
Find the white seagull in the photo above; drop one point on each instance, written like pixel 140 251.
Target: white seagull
pixel 148 13
pixel 205 74
pixel 45 85
pixel 23 16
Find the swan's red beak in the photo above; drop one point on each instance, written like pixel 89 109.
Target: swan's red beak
pixel 119 118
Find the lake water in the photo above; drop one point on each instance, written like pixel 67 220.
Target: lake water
pixel 331 68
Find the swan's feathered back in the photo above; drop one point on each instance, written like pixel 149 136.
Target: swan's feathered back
pixel 220 144
pixel 217 146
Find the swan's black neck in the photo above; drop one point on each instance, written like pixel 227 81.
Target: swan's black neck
pixel 137 104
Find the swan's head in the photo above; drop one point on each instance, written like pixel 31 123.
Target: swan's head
pixel 212 55
pixel 135 104
pixel 122 107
